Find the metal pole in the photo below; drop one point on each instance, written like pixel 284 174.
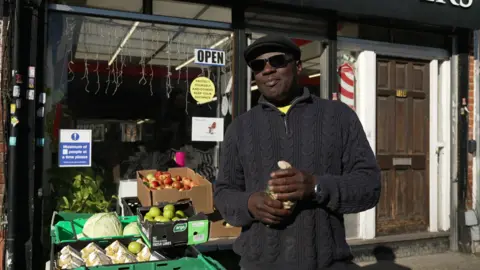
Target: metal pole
pixel 460 234
pixel 219 95
pixel 33 203
pixel 463 187
pixel 11 256
pixel 239 73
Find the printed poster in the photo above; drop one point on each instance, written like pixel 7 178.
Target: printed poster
pixel 207 129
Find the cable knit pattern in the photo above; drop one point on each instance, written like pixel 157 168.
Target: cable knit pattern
pixel 324 138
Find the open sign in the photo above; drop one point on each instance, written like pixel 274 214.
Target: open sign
pixel 210 57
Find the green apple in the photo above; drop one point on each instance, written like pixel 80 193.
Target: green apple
pixel 180 214
pixel 169 207
pixel 162 219
pixel 154 212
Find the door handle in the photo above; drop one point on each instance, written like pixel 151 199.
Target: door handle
pixel 439 149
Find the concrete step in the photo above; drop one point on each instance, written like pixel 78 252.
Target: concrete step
pixel 440 261
pixel 400 246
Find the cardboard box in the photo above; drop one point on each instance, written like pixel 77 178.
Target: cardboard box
pixel 192 230
pixel 219 228
pixel 201 195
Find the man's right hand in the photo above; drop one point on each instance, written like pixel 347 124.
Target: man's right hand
pixel 266 209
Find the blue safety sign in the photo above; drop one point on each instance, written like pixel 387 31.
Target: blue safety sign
pixel 75 148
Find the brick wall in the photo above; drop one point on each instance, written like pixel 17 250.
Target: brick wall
pixel 471 123
pixel 471 132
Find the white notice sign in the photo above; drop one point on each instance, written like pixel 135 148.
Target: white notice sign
pixel 210 57
pixel 207 129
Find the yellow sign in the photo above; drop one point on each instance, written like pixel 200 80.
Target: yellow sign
pixel 401 93
pixel 202 89
pixel 13 108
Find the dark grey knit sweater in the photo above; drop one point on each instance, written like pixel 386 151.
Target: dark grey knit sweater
pixel 322 137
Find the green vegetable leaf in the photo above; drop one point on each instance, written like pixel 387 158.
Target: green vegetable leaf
pixel 65 200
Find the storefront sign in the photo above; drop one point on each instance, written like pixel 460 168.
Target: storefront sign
pixel 207 129
pixel 202 89
pixel 458 3
pixel 75 148
pixel 209 57
pixel 448 13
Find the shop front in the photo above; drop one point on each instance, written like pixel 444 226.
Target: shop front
pixel 151 85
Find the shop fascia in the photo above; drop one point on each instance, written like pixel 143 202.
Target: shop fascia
pixel 457 3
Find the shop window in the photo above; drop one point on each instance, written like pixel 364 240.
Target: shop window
pixel 123 5
pixel 139 89
pixel 310 76
pixel 192 11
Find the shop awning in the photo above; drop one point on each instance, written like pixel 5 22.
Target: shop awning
pixel 450 13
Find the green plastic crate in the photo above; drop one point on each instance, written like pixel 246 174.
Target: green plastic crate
pixel 185 257
pixel 66 227
pixel 199 263
pixel 68 216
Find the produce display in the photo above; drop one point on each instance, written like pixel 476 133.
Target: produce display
pixel 166 214
pixel 283 165
pixel 131 229
pixel 107 225
pixel 103 225
pixel 164 180
pixel 115 253
pixel 156 237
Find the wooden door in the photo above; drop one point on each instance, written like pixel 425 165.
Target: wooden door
pixel 402 145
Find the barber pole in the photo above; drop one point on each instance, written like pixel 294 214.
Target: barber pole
pixel 347 85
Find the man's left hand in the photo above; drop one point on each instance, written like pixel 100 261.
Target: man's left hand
pixel 292 185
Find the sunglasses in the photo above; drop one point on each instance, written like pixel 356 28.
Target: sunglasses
pixel 276 61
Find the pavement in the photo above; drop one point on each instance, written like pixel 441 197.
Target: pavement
pixel 442 261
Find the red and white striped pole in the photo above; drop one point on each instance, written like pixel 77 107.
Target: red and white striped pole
pixel 347 85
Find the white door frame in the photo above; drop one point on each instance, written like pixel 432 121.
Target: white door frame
pixel 366 109
pixel 444 145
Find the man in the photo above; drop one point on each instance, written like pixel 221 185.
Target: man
pixel 334 169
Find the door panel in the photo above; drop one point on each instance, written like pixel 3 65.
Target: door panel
pixel 402 145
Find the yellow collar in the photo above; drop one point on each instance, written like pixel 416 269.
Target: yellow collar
pixel 284 109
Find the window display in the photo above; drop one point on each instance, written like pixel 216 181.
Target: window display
pixel 137 86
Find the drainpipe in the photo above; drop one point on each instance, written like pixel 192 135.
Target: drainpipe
pixel 11 255
pixel 464 238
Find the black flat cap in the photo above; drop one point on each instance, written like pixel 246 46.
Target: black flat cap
pixel 271 43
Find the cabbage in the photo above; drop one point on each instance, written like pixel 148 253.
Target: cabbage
pixel 131 229
pixel 102 225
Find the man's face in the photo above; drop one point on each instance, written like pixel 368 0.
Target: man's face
pixel 278 75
